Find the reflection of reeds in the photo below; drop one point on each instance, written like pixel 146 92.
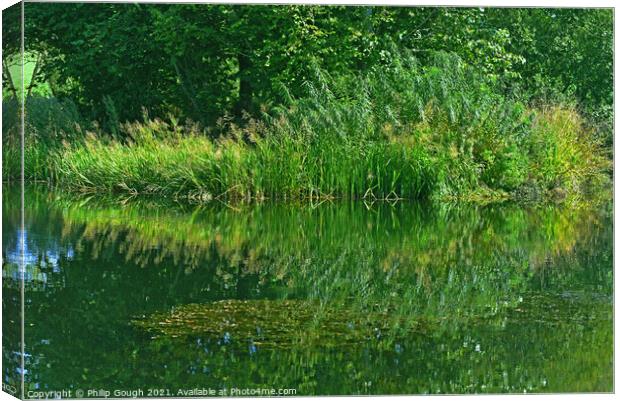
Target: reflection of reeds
pixel 423 259
pixel 437 281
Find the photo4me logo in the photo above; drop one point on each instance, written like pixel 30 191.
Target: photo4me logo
pixel 261 392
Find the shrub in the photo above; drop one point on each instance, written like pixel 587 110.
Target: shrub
pixel 564 153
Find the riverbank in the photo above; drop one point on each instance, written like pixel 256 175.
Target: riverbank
pixel 440 131
pixel 556 162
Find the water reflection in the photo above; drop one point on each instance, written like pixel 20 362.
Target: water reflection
pixel 339 299
pixel 35 264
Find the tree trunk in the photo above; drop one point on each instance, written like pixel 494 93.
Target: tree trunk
pixel 9 79
pixel 187 88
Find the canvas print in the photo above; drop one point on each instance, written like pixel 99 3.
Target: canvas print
pixel 216 200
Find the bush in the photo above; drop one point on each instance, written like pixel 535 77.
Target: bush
pixel 564 153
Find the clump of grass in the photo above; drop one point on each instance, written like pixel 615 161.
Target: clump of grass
pixel 457 121
pixel 277 167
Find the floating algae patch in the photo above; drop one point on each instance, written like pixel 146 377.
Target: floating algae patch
pixel 285 323
pixel 567 308
pixel 272 323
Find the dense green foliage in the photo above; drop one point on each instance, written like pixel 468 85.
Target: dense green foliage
pixel 207 60
pixel 316 101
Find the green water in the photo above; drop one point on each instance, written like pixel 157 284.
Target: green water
pixel 337 298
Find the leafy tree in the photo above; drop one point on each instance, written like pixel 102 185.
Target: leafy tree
pixel 206 61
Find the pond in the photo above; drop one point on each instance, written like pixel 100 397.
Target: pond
pixel 141 297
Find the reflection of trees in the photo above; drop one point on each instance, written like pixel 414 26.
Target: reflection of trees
pixel 453 267
pixel 11 335
pixel 467 358
pixel 343 250
pixel 42 255
pixel 464 359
